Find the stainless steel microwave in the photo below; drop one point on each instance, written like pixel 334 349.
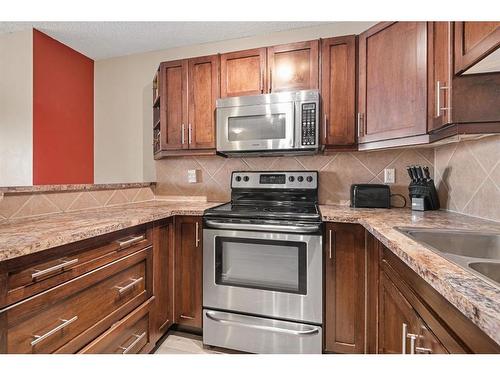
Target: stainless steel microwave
pixel 277 123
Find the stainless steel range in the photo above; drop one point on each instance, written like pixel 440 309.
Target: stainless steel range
pixel 262 265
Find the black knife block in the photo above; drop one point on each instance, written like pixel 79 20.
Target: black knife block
pixel 427 191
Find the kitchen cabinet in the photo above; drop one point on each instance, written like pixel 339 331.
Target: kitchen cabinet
pixel 188 271
pixel 163 278
pixel 338 91
pixel 293 66
pixel 411 316
pixel 392 94
pixel 188 91
pixel 243 72
pixel 284 67
pixel 344 288
pixel 474 41
pixel 440 35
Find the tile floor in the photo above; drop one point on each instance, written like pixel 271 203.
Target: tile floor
pixel 183 343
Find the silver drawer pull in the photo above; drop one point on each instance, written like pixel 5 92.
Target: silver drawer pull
pixel 57 267
pixel 138 338
pixel 123 289
pixel 130 241
pixel 65 323
pixel 420 350
pixel 312 331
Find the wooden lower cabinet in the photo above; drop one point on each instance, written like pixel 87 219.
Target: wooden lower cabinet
pixel 131 335
pixel 188 271
pixel 344 302
pixel 163 278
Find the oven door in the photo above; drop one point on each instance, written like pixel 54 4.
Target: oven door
pixel 256 127
pixel 275 275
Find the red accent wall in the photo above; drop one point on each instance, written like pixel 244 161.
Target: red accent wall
pixel 63 113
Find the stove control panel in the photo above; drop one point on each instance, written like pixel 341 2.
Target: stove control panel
pixel 275 180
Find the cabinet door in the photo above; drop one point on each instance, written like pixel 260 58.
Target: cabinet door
pixel 203 92
pixel 344 288
pixel 243 72
pixel 397 319
pixel 474 41
pixel 392 98
pixel 338 90
pixel 173 99
pixel 163 279
pixel 440 74
pixel 293 66
pixel 188 271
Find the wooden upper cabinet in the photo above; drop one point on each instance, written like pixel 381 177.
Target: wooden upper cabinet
pixel 173 98
pixel 293 66
pixel 203 80
pixel 243 73
pixel 338 90
pixel 474 41
pixel 392 99
pixel 344 288
pixel 440 74
pixel 188 271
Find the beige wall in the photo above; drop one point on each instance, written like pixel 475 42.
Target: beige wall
pixel 16 108
pixel 123 114
pixel 336 172
pixel 468 177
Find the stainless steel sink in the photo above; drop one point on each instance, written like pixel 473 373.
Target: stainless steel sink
pixel 475 251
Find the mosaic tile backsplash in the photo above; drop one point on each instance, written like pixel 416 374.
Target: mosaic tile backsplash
pixel 337 172
pixel 468 177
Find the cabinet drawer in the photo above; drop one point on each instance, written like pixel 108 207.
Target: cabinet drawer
pixel 68 316
pixel 130 335
pixel 42 274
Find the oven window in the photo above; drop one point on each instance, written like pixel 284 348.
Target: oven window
pixel 279 266
pixel 248 128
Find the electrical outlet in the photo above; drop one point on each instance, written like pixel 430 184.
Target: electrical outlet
pixel 192 176
pixel 389 175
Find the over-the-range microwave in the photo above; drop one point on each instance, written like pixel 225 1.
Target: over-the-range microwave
pixel 277 124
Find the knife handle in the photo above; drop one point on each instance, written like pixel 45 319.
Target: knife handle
pixel 427 173
pixel 410 173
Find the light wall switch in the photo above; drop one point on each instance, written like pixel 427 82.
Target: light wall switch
pixel 389 175
pixel 192 176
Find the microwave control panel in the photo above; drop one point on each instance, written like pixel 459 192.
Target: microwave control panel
pixel 309 124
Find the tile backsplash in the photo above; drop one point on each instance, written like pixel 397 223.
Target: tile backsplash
pixel 467 176
pixel 22 205
pixel 337 172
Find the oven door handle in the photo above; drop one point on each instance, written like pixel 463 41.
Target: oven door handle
pixel 309 228
pixel 312 331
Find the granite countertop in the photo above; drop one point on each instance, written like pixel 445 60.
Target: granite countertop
pixel 27 236
pixel 475 298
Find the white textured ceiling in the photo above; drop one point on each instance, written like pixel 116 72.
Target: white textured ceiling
pixel 101 40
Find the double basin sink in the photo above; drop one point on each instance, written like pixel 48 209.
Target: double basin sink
pixel 475 251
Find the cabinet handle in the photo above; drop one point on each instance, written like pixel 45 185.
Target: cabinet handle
pixel 413 339
pixel 360 124
pixel 133 344
pixel 261 84
pixel 439 109
pixel 123 289
pixel 331 238
pixel 197 235
pixel 65 323
pixel 57 267
pixel 130 241
pixel 420 350
pixel 270 80
pixel 325 122
pixel 182 134
pixel 189 134
pixel 404 332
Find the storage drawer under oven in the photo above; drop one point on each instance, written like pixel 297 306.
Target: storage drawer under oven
pixel 260 335
pixel 272 274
